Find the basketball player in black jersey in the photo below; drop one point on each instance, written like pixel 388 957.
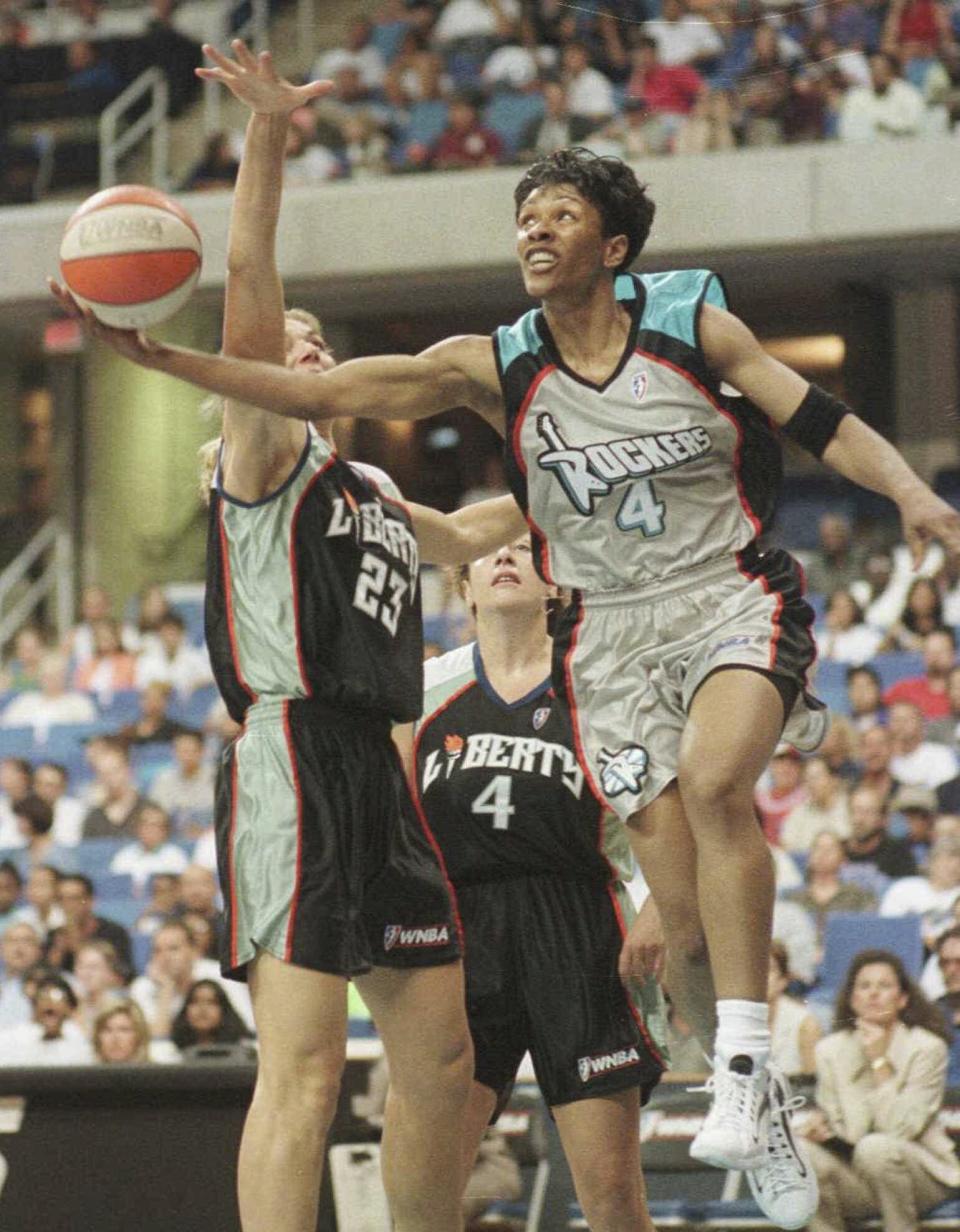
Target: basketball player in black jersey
pixel 536 861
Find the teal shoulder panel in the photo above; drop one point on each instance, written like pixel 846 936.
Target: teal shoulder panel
pixel 625 287
pixel 518 339
pixel 674 298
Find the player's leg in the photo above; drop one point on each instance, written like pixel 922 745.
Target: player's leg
pixel 665 850
pixel 601 1140
pixel 420 1015
pixel 477 1196
pixel 301 1019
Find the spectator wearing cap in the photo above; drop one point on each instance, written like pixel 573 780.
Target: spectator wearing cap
pixel 870 847
pixel 51 782
pixel 931 896
pixel 120 802
pixel 917 761
pixel 783 791
pixel 918 808
pixel 52 1037
pixel 466 143
pixel 589 92
pixel 825 808
pixel 825 890
pixel 186 789
pixel 35 819
pixel 876 753
pixel 173 660
pixel 947 959
pixel 929 692
pixel 78 900
pixel 865 697
pixel 19 951
pixel 151 852
pixel 52 703
pixel 888 107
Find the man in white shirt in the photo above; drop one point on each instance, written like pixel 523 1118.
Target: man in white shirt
pixel 469 19
pixel 52 1038
pixel 186 789
pixel 151 852
pixel 50 781
pixel 589 93
pixel 888 107
pixel 51 703
pixel 682 37
pixel 917 762
pixel 173 660
pixel 359 53
pixel 19 950
pixel 932 896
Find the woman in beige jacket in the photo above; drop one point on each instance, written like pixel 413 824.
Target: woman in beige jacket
pixel 874 1139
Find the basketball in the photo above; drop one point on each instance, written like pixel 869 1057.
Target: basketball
pixel 131 255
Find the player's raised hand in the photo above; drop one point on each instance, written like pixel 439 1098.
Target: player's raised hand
pixel 131 343
pixel 255 82
pixel 926 517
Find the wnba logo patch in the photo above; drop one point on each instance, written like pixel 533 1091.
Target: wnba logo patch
pixel 591 1067
pixel 540 716
pixel 638 386
pixel 396 937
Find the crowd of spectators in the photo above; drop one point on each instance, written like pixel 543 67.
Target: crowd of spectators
pixel 465 84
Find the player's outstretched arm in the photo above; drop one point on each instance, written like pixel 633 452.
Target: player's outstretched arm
pixel 467 534
pixel 828 429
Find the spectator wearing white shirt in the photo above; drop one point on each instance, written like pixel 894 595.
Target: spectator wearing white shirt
pixel 11 887
pixel 825 808
pixel 52 703
pixel 53 1037
pixel 50 782
pixel 475 19
pixel 35 819
pixel 917 762
pixel 932 896
pixel 175 661
pixel 359 53
pixel 98 980
pixel 845 638
pixel 43 908
pixel 16 781
pixel 888 107
pixel 186 789
pixel 20 949
pixel 96 603
pixel 152 852
pixel 589 93
pixel 682 37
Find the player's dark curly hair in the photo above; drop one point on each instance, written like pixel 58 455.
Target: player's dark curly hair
pixel 607 183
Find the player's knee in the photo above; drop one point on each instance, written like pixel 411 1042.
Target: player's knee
pixel 445 1069
pixel 611 1196
pixel 307 1083
pixel 689 944
pixel 708 788
pixel 874 1154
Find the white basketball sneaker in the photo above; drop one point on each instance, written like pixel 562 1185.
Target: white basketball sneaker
pixel 734 1134
pixel 785 1185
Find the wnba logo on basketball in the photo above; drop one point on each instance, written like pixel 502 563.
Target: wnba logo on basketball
pixel 125 227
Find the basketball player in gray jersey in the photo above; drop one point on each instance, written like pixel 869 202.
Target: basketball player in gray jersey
pixel 645 486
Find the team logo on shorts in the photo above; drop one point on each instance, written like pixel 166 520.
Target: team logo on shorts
pixel 638 386
pixel 540 716
pixel 396 937
pixel 623 770
pixel 593 1067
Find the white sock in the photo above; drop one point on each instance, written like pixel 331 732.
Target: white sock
pixel 743 1029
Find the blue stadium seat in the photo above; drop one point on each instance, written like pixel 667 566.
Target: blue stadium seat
pixel 387 37
pixel 16 742
pixel 897 665
pixel 123 911
pixel 194 709
pixel 141 947
pixel 830 684
pixel 664 1213
pixel 123 707
pixel 113 886
pixel 848 932
pixel 428 119
pixel 509 113
pixel 95 855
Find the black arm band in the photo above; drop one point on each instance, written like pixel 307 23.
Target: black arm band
pixel 814 423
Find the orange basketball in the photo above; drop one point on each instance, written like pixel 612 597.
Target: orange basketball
pixel 132 255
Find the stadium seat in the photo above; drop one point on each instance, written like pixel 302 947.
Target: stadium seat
pixel 897 665
pixel 123 911
pixel 95 855
pixel 141 947
pixel 509 113
pixel 113 886
pixel 664 1213
pixel 194 709
pixel 848 932
pixel 123 707
pixel 830 684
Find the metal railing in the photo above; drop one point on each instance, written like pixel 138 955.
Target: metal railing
pixel 253 31
pixel 154 121
pixel 20 596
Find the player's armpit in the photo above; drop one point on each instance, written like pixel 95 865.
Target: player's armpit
pixel 456 538
pixel 735 355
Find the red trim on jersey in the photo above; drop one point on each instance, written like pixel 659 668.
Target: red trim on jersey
pixel 574 711
pixel 294 575
pixel 231 862
pixel 813 636
pixel 705 393
pixel 637 1016
pixel 228 592
pixel 421 812
pixel 295 897
pixel 777 611
pixel 522 414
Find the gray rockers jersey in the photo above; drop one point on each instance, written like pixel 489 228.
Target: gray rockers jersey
pixel 651 473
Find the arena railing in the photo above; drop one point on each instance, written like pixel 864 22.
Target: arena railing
pixel 154 122
pixel 52 548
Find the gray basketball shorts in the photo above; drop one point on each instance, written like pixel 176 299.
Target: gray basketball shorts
pixel 629 662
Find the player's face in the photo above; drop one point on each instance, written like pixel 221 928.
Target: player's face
pixel 507 580
pixel 560 242
pixel 306 348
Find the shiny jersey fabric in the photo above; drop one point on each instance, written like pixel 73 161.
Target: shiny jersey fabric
pixel 500 784
pixel 313 591
pixel 649 474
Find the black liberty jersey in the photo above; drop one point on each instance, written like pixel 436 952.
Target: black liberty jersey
pixel 312 591
pixel 500 784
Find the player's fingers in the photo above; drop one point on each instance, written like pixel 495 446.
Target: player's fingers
pixel 245 57
pixel 220 60
pixel 917 543
pixel 266 66
pixel 212 74
pixel 315 89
